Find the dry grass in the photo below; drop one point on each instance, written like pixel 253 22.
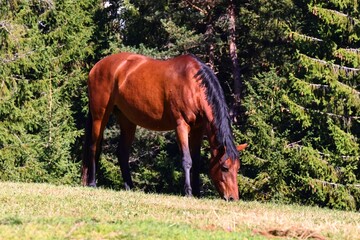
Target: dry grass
pixel 41 211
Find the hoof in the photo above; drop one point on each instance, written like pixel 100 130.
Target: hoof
pixel 93 185
pixel 189 195
pixel 188 191
pixel 128 187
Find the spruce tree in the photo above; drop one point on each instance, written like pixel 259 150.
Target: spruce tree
pixel 306 149
pixel 44 50
pixel 324 99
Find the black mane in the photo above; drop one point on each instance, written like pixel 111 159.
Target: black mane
pixel 216 99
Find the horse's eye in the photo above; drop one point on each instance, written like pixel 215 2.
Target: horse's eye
pixel 224 168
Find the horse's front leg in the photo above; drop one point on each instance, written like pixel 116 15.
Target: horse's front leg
pixel 182 132
pixel 195 141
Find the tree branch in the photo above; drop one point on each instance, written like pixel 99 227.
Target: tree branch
pixel 16 56
pixel 313 39
pixel 324 113
pixel 334 184
pixel 335 67
pixel 197 8
pixel 3 24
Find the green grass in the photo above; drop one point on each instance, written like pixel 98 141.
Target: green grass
pixel 43 211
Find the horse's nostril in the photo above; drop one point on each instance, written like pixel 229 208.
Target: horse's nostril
pixel 231 198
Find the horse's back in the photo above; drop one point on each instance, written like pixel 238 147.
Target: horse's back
pixel 125 61
pixel 150 93
pixel 108 65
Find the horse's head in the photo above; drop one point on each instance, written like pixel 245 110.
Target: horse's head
pixel 223 173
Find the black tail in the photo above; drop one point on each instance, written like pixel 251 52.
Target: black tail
pixel 86 150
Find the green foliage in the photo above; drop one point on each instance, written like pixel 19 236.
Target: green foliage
pixel 306 148
pixel 180 39
pixel 349 57
pixel 278 166
pixel 43 52
pixel 264 163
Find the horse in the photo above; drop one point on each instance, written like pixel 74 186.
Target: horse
pixel 181 94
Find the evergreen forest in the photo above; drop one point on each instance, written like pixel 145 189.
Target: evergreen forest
pixel 290 70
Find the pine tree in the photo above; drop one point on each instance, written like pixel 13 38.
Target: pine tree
pixel 43 68
pixel 325 98
pixel 311 136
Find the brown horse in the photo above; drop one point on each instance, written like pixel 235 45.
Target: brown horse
pixel 181 94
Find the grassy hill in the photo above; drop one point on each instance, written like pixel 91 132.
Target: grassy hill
pixel 42 211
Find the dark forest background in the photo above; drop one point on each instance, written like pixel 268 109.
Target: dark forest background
pixel 289 69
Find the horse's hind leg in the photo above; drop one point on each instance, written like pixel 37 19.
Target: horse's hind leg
pixel 127 136
pixel 96 122
pixel 86 151
pixel 98 126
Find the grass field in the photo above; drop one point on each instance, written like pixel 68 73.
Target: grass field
pixel 43 211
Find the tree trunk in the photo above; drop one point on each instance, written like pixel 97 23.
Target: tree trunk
pixel 209 35
pixel 206 8
pixel 234 59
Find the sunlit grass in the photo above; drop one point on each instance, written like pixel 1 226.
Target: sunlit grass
pixel 42 211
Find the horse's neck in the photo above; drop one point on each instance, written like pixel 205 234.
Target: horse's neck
pixel 210 128
pixel 211 135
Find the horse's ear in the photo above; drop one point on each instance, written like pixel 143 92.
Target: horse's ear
pixel 241 146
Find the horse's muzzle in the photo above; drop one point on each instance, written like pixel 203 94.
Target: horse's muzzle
pixel 229 198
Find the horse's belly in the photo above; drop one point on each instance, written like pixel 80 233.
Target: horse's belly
pixel 148 116
pixel 153 124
